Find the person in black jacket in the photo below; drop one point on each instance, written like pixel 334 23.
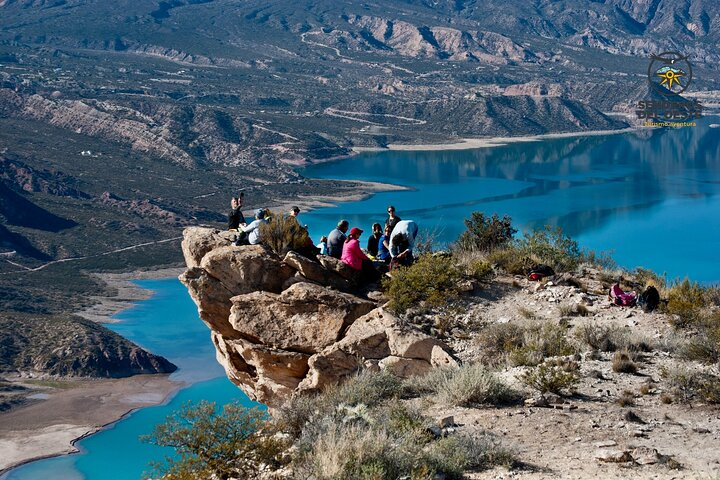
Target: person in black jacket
pixel 372 243
pixel 392 219
pixel 236 217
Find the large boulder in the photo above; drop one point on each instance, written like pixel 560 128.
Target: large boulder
pixel 341 268
pixel 304 318
pixel 245 269
pixel 378 336
pixel 267 375
pixel 212 299
pixel 197 241
pixel 316 272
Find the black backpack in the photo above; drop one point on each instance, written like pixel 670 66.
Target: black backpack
pixel 649 299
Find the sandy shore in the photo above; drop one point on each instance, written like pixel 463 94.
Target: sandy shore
pixel 470 143
pixel 308 203
pixel 73 410
pixel 127 292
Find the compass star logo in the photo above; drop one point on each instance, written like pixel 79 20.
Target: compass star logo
pixel 669 73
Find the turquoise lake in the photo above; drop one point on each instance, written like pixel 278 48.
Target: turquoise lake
pixel 168 325
pixel 651 197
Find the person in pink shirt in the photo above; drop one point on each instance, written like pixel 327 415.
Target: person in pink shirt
pixel 354 257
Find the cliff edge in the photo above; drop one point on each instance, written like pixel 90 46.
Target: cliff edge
pixel 285 325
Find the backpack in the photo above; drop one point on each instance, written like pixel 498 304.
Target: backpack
pixel 649 299
pixel 621 298
pixel 538 272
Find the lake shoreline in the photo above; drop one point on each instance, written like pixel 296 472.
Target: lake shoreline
pixel 487 142
pixel 51 427
pixel 48 428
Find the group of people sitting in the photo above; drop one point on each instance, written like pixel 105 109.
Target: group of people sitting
pixel 386 247
pixel 390 246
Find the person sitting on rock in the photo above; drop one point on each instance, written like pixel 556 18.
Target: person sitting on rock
pixel 402 242
pixel 336 239
pixel 392 219
pixel 354 257
pixel 384 246
pixel 253 229
pixel 374 239
pixel 236 217
pixel 322 245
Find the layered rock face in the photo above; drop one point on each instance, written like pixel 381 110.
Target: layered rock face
pixel 287 325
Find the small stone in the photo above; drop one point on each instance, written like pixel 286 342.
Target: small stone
pixel 614 456
pixel 638 434
pixel 447 422
pixel 605 443
pixel 646 456
pixel 538 401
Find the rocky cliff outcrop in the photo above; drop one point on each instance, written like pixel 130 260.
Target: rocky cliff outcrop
pixel 284 325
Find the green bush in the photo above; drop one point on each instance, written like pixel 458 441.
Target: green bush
pixel 549 378
pixel 511 260
pixel 486 234
pixel 552 247
pixel 231 443
pixel 283 233
pixel 480 270
pixel 686 300
pixel 432 279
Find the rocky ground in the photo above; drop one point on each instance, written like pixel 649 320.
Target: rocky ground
pixel 614 425
pixel 286 327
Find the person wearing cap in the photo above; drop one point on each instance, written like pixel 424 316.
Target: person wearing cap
pixel 336 239
pixel 384 245
pixel 253 228
pixel 354 257
pixel 402 242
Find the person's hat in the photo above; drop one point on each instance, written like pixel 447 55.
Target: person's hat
pixel 355 231
pixel 260 213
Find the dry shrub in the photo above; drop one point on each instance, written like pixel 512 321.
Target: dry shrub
pixel 527 344
pixel 283 233
pixel 687 385
pixel 473 385
pixel 539 341
pixel 609 338
pixel 622 363
pixel 549 378
pixel 704 346
pixel 646 277
pixel 626 399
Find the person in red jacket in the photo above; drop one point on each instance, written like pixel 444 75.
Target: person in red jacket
pixel 354 257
